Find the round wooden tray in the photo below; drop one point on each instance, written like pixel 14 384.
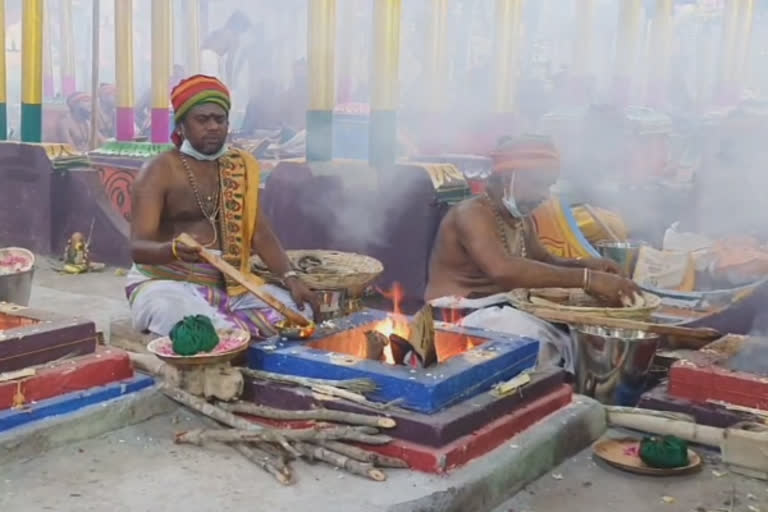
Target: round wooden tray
pixel 622 454
pixel 239 340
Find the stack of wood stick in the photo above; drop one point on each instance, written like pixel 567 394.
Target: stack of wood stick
pixel 273 449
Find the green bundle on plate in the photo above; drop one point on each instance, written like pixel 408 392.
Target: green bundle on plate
pixel 666 452
pixel 194 334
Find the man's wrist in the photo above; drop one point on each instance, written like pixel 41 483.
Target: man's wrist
pixel 290 275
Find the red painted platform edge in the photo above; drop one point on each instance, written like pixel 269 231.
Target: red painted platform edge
pixel 463 450
pixel 104 366
pixel 713 383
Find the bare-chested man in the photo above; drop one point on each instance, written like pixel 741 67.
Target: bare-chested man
pixel 487 246
pixel 211 192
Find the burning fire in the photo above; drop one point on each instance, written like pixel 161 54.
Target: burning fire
pixel 396 323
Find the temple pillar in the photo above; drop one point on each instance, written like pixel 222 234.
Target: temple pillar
pixel 660 46
pixel 628 39
pixel 161 70
pixel 581 55
pixel 31 70
pixel 436 57
pixel 382 137
pixel 124 121
pixel 48 85
pixel 321 66
pixel 68 84
pixel 191 14
pixel 728 46
pixel 741 64
pixel 3 87
pixel 506 45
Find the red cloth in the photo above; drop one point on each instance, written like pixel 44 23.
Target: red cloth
pixel 525 153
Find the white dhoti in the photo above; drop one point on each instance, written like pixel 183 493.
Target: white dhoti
pixel 159 304
pixel 495 314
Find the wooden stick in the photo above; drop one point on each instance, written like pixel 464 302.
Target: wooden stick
pixel 362 455
pixel 220 415
pixel 95 65
pixel 341 461
pixel 249 283
pixel 265 462
pixel 358 434
pixel 704 334
pixel 355 385
pixel 348 395
pixel 314 414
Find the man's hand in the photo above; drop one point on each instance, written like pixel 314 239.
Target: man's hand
pixel 184 252
pixel 603 265
pixel 612 289
pixel 301 294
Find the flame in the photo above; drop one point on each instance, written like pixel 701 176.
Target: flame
pixel 396 323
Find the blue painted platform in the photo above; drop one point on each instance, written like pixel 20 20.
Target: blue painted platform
pixel 71 402
pixel 500 357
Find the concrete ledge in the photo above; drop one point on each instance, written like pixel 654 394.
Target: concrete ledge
pixel 489 481
pixel 38 437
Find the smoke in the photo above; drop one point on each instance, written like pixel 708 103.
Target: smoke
pixel 573 75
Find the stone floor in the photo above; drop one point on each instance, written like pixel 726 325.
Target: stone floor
pixel 582 484
pixel 139 468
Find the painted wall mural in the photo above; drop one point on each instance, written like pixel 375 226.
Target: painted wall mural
pixel 117 185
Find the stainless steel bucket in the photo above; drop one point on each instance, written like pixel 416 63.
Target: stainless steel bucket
pixel 612 365
pixel 17 288
pixel 623 253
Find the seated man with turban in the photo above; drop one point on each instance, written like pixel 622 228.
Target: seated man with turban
pixel 74 128
pixel 487 246
pixel 210 191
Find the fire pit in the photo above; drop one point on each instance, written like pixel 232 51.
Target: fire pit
pixel 29 337
pixel 469 361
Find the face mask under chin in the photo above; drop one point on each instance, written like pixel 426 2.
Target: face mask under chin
pixel 189 150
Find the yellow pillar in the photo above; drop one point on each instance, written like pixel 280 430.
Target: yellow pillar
pixel 746 15
pixel 630 28
pixel 3 90
pixel 661 39
pixel 321 65
pixel 161 69
pixel 67 49
pixel 192 36
pixel 506 40
pixel 728 45
pixel 581 57
pixel 124 121
pixel 436 57
pixel 31 70
pixel 382 139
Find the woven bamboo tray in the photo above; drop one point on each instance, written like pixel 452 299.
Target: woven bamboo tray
pixel 578 302
pixel 328 270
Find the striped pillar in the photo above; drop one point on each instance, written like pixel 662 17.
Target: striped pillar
pixel 3 90
pixel 321 47
pixel 630 29
pixel 436 60
pixel 660 47
pixel 48 85
pixel 728 45
pixel 31 70
pixel 161 70
pixel 382 136
pixel 191 14
pixel 506 40
pixel 746 19
pixel 581 54
pixel 124 121
pixel 68 84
